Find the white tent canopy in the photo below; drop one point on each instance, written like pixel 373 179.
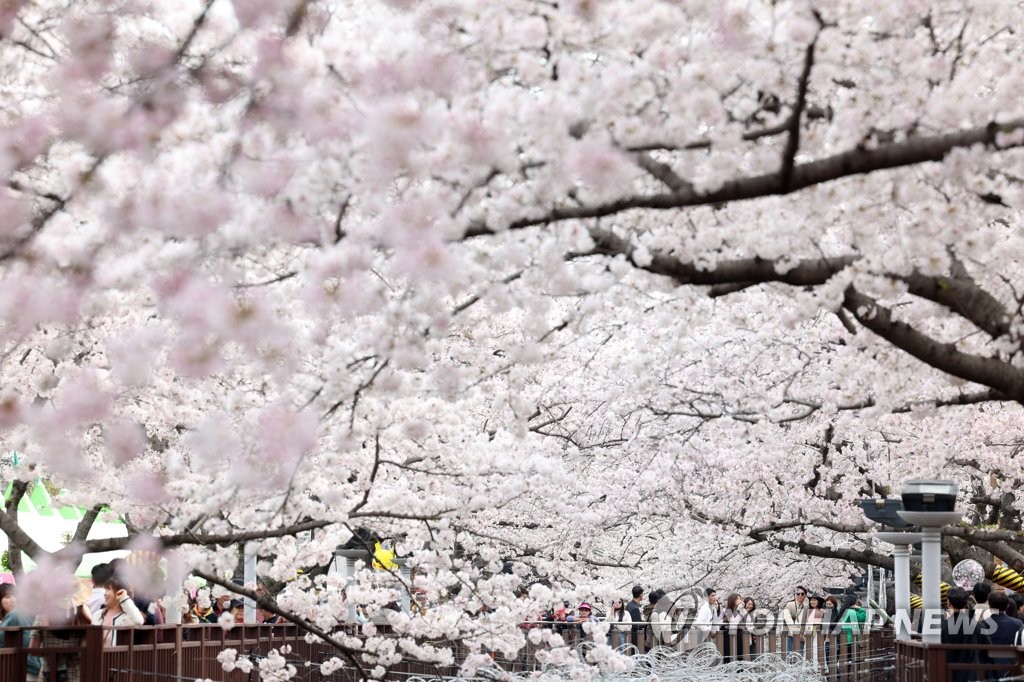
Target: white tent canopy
pixel 52 526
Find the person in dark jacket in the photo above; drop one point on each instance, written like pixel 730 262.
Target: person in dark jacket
pixel 652 600
pixel 962 626
pixel 636 614
pixel 1001 630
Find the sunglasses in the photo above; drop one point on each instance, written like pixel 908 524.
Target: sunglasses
pixel 801 594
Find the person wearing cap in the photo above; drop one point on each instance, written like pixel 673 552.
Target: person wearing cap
pixel 583 615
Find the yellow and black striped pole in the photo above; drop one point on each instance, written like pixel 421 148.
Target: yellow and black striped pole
pixel 943 589
pixel 1008 578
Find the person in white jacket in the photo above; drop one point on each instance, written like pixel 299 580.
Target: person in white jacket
pixel 709 616
pixel 620 623
pixel 661 624
pixel 118 611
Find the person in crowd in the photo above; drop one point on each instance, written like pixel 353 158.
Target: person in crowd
pixel 1018 599
pixel 829 622
pixel 237 609
pixel 67 666
pixel 794 617
pixel 620 624
pixel 749 614
pixel 830 612
pixel 118 611
pixel 1000 628
pixel 558 616
pixel 853 617
pixel 962 626
pixel 151 581
pixel 815 614
pixel 814 648
pixel 10 617
pixel 661 622
pixel 709 616
pixel 530 621
pixel 584 614
pixel 200 613
pixel 636 614
pixel 652 600
pixel 732 619
pixel 980 592
pixel 221 604
pixel 268 617
pixel 100 573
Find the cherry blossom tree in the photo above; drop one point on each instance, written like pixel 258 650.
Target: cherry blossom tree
pixel 611 290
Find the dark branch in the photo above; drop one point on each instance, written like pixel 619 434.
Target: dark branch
pixel 793 138
pixel 86 524
pixel 965 298
pixel 747 271
pixel 857 161
pixel 987 371
pixel 271 606
pixel 17 538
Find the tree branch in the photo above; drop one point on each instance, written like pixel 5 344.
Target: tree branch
pixel 793 138
pixel 18 540
pixel 663 172
pixel 808 272
pixel 86 524
pixel 75 551
pixel 945 357
pixel 857 161
pixel 748 136
pixel 964 297
pixel 268 604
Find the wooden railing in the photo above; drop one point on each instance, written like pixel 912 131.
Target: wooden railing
pixel 920 662
pixel 189 652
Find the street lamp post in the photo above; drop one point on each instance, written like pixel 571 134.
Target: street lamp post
pixel 930 505
pixel 902 544
pixel 887 513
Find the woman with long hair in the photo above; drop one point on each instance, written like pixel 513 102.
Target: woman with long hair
pixel 732 618
pixel 749 608
pixel 620 624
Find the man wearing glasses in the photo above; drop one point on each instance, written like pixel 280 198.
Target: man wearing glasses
pixel 794 617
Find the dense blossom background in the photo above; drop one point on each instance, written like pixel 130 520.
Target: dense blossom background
pixel 617 291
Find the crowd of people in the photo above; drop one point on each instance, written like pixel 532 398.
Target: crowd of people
pixel 652 617
pixel 648 618
pixel 109 599
pixel 981 616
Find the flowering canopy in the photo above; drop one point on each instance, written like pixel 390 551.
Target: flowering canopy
pixel 618 290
